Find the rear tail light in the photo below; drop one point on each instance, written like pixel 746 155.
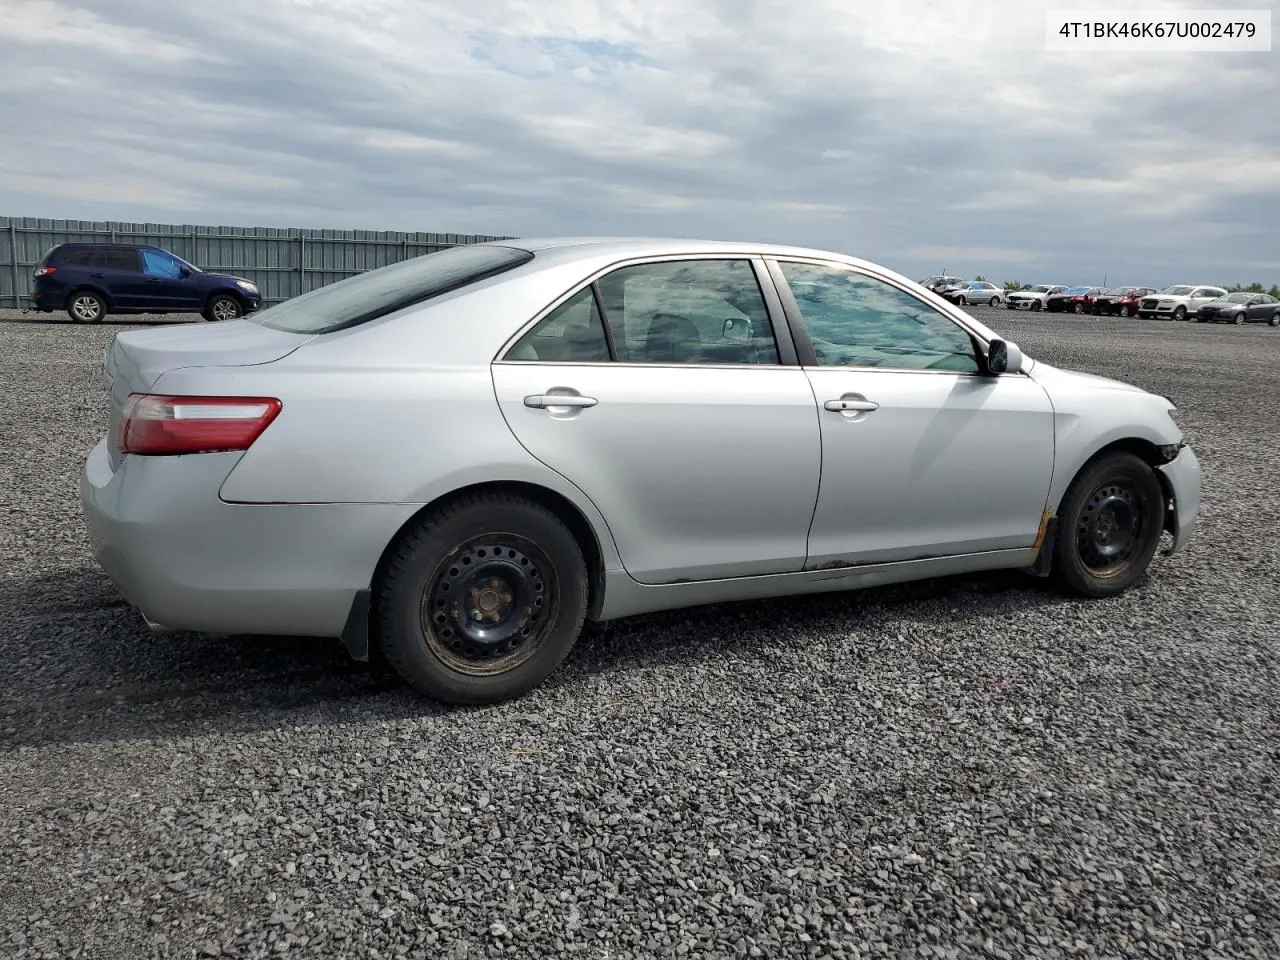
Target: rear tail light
pixel 165 425
pixel 45 271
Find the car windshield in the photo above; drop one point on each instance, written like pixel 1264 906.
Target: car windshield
pixel 1238 297
pixel 377 293
pixel 1075 290
pixel 1038 288
pixel 1178 291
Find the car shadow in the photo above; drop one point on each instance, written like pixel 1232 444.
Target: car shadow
pixel 82 667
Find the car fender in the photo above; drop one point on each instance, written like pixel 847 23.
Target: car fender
pixel 405 435
pixel 1092 414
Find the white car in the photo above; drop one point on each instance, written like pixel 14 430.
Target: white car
pixel 1034 296
pixel 1179 301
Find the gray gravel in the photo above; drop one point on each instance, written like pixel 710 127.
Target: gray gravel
pixel 969 768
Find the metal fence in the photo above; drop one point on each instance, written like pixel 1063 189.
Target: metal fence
pixel 283 262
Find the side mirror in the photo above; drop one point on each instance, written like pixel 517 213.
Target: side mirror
pixel 183 272
pixel 737 330
pixel 1003 357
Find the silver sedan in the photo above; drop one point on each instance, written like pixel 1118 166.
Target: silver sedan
pixel 466 456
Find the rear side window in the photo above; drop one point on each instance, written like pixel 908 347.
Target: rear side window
pixel 116 259
pixel 76 258
pixel 377 293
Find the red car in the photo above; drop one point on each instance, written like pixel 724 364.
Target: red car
pixel 1074 300
pixel 1121 301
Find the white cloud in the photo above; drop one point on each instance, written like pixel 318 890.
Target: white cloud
pixel 908 132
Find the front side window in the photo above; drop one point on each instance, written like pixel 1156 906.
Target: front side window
pixel 688 311
pixel 855 320
pixel 157 263
pixel 571 333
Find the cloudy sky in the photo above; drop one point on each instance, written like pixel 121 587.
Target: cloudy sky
pixel 918 133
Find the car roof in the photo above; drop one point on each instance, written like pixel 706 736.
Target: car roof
pixel 655 246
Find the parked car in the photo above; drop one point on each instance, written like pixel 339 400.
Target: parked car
pixel 1032 297
pixel 91 280
pixel 1120 301
pixel 1242 308
pixel 974 291
pixel 939 283
pixel 464 456
pixel 1074 300
pixel 1179 301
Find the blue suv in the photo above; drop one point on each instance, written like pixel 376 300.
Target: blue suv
pixel 90 280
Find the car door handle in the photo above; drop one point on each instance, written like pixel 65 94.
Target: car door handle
pixel 540 401
pixel 155 280
pixel 98 276
pixel 865 406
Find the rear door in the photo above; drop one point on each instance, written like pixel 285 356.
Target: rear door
pixel 663 392
pixel 119 271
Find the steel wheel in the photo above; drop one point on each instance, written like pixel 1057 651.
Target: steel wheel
pixel 480 600
pixel 86 307
pixel 1110 528
pixel 490 605
pixel 1109 525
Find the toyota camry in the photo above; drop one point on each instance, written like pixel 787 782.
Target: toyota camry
pixel 465 457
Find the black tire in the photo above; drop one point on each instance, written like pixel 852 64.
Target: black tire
pixel 86 306
pixel 1126 312
pixel 994 302
pixel 1109 526
pixel 1036 306
pixel 962 301
pixel 1275 319
pixel 536 590
pixel 1180 313
pixel 1079 307
pixel 224 306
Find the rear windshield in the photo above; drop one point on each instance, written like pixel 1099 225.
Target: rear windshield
pixel 377 293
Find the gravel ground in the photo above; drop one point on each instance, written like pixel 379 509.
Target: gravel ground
pixel 976 767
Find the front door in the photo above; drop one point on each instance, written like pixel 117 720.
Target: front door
pixel 165 285
pixel 675 416
pixel 922 455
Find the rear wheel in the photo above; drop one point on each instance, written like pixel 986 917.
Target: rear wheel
pixel 1275 319
pixel 85 306
pixel 222 307
pixel 1110 524
pixel 482 600
pixel 994 302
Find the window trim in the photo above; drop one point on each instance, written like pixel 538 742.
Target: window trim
pixel 804 346
pixel 774 310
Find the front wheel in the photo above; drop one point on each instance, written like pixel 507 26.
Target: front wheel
pixel 1180 313
pixel 1036 306
pixel 482 600
pixel 1126 312
pixel 1079 307
pixel 222 307
pixel 962 301
pixel 1110 524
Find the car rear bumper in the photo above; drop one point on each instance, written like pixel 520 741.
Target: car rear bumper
pixel 1182 476
pixel 191 561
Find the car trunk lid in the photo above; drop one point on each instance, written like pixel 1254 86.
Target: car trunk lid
pixel 136 359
